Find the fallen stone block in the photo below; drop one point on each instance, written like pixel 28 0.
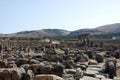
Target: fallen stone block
pixel 47 77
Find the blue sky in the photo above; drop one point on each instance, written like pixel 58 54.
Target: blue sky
pixel 20 15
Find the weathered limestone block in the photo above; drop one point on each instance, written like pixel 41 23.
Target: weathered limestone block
pixel 92 62
pixel 21 61
pixel 36 68
pixel 29 75
pixel 5 75
pixel 18 73
pixel 47 77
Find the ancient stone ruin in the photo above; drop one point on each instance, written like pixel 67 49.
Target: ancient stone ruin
pixel 49 59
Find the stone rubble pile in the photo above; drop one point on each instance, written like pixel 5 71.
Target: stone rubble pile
pixel 59 63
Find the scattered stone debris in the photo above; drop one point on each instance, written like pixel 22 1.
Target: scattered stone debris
pixel 22 59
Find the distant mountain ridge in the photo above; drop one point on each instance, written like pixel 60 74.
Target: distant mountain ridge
pixel 110 28
pixel 57 32
pixel 40 33
pixel 105 29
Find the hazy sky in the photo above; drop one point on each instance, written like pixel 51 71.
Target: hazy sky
pixel 20 15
